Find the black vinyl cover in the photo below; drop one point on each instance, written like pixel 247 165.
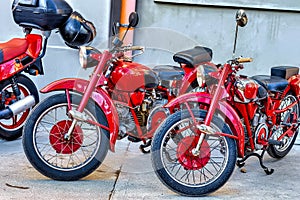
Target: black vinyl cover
pixel 194 56
pixel 284 71
pixel 41 14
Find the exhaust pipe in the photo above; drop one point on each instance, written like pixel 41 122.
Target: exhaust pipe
pixel 17 107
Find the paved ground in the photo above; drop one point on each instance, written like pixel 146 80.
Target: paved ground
pixel 136 180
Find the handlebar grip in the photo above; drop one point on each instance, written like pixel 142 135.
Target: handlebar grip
pixel 244 60
pixel 136 48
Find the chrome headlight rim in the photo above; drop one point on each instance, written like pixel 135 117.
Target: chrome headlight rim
pixel 83 56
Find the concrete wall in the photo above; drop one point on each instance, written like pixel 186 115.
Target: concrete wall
pixel 271 37
pixel 60 61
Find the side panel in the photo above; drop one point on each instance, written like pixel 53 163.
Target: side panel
pixel 231 117
pixel 99 96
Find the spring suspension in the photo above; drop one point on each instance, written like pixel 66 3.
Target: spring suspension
pixel 15 88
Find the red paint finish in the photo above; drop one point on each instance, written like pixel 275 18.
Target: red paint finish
pixel 232 118
pixel 130 76
pixel 295 84
pixel 17 49
pixel 58 142
pixel 251 90
pixel 13 48
pixel 186 157
pixel 34 45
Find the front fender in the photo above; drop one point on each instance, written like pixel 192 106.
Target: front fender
pixel 101 98
pixel 230 115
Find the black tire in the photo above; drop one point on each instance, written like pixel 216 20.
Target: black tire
pixel 276 151
pixel 164 139
pixel 65 160
pixel 11 129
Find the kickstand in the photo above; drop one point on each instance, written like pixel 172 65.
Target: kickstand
pixel 144 146
pixel 241 163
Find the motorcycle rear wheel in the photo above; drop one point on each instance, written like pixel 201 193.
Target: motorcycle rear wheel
pixel 276 151
pixel 11 129
pixel 54 156
pixel 179 169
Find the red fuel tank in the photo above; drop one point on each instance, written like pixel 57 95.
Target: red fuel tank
pixel 130 76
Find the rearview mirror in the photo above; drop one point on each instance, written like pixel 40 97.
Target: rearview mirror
pixel 241 18
pixel 133 19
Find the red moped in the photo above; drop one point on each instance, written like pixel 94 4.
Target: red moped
pixel 24 55
pixel 18 92
pixel 68 135
pixel 195 150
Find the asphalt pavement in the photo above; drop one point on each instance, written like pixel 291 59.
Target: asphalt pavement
pixel 128 174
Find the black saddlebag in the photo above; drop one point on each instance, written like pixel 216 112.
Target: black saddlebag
pixel 41 14
pixel 284 71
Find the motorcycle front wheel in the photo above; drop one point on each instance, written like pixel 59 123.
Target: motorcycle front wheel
pixel 11 128
pixel 51 153
pixel 179 169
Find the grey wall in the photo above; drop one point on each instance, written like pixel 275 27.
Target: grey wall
pixel 60 61
pixel 271 37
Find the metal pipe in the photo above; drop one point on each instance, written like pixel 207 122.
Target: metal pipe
pixel 127 7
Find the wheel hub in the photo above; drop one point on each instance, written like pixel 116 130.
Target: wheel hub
pixel 59 143
pixel 187 158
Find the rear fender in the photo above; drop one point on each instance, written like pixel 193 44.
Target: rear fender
pixel 231 117
pixel 99 96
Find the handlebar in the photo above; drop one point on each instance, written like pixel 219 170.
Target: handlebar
pixel 244 60
pixel 132 48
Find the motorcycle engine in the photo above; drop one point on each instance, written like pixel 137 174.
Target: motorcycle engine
pixel 261 130
pixel 144 113
pixel 126 120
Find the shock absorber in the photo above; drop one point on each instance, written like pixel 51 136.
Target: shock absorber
pixel 15 88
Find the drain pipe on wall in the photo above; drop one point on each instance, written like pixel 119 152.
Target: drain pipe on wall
pixel 127 6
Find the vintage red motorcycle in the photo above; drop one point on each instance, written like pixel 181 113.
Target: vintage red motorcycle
pixel 68 135
pixel 195 150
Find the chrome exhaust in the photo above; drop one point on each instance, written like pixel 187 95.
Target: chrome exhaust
pixel 22 105
pixel 17 107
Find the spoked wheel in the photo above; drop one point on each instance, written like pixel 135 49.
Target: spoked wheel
pixel 55 156
pixel 290 116
pixel 11 128
pixel 182 171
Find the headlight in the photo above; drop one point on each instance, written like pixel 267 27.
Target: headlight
pixel 85 56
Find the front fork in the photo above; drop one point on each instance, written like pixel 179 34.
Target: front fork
pixel 218 94
pixel 77 115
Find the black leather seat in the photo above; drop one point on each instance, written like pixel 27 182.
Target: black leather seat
pixel 168 72
pixel 192 57
pixel 272 83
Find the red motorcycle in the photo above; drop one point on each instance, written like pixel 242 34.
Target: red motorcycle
pixel 18 55
pixel 68 135
pixel 18 92
pixel 195 150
